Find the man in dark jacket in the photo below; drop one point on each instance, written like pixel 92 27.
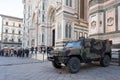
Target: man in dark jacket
pixel 49 48
pixel 20 51
pixel 36 49
pixel 2 52
pixel 32 49
pixel 27 52
pixel 15 53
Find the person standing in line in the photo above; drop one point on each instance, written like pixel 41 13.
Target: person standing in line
pixel 11 52
pixel 27 52
pixel 49 49
pixel 6 52
pixel 19 52
pixel 15 53
pixel 22 52
pixel 36 49
pixel 2 52
pixel 32 49
pixel 44 49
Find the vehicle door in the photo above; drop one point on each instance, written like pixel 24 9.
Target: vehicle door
pixel 96 49
pixel 87 46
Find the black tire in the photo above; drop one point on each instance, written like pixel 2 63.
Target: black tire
pixel 105 61
pixel 56 65
pixel 73 65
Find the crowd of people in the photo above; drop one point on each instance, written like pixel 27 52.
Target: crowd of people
pixel 14 52
pixel 21 52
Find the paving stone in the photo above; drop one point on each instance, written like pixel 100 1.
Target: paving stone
pixel 45 71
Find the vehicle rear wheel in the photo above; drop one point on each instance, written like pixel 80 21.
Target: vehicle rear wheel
pixel 56 65
pixel 73 65
pixel 105 61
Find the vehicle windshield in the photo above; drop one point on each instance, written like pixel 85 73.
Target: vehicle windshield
pixel 73 44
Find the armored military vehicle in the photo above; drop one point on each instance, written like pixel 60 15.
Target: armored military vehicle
pixel 84 50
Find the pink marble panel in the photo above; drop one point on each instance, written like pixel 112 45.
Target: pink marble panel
pixel 110 20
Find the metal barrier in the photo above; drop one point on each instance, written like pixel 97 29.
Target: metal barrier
pixel 118 56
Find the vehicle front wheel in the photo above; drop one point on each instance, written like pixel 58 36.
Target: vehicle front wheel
pixel 73 65
pixel 105 61
pixel 56 65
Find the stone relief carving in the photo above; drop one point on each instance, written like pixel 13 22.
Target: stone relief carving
pixel 93 24
pixel 110 21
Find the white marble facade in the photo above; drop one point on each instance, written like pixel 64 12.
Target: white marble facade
pixel 119 18
pixel 52 22
pixel 96 23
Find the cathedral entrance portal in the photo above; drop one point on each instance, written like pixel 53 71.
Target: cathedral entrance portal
pixel 53 37
pixel 52 22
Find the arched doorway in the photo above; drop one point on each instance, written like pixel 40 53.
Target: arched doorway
pixel 53 37
pixel 51 25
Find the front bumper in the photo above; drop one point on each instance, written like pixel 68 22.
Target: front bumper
pixel 59 59
pixel 50 57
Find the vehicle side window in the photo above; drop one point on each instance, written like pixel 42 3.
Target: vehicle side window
pixel 87 44
pixel 97 45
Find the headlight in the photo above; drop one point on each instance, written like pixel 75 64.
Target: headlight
pixel 50 55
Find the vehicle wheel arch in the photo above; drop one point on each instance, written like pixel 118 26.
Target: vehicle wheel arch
pixel 73 65
pixel 109 54
pixel 78 56
pixel 106 53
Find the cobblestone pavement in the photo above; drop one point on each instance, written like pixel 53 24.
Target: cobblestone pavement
pixel 40 56
pixel 45 71
pixel 6 61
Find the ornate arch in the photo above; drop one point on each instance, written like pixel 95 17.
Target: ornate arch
pixel 51 14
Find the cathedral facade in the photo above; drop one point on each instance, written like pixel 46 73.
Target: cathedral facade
pixel 53 22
